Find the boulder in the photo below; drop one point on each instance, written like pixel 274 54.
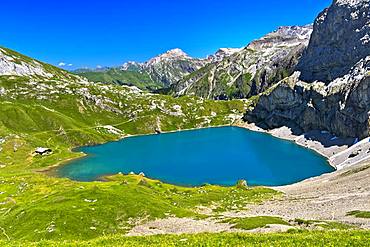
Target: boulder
pixel 242 184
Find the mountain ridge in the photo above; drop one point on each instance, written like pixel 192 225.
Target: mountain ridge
pixel 164 69
pixel 250 70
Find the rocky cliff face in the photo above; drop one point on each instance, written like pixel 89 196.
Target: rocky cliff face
pixel 251 70
pixel 341 105
pixel 339 40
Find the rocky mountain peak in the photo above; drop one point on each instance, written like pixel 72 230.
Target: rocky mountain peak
pixel 350 2
pixel 299 32
pixel 177 52
pixel 283 36
pixel 222 53
pixel 131 66
pixel 248 71
pixel 173 54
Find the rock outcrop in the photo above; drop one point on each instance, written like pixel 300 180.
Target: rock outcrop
pixel 11 65
pixel 342 107
pixel 252 69
pixel 341 37
pixel 16 64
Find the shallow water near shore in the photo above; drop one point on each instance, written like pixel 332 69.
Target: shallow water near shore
pixel 219 156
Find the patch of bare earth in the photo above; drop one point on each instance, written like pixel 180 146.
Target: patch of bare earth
pixel 328 197
pixel 178 226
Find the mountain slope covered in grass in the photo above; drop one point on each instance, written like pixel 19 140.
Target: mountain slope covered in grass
pixel 55 113
pixel 118 76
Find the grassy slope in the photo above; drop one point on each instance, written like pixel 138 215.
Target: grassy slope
pixel 139 79
pixel 255 222
pixel 360 214
pixel 60 116
pixel 337 239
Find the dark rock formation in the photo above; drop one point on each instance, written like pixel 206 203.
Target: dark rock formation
pixel 339 40
pixel 342 107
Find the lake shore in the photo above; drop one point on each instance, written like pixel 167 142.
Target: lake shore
pixel 340 152
pixel 327 197
pixel 230 144
pixel 336 150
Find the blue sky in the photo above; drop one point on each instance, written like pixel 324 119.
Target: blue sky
pixel 110 32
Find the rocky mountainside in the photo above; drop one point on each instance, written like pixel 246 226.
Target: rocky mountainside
pixel 222 53
pixel 340 39
pixel 332 90
pixel 251 70
pixel 132 66
pixel 16 64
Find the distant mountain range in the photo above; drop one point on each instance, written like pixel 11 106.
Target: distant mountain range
pixel 229 73
pixel 248 71
pixel 161 71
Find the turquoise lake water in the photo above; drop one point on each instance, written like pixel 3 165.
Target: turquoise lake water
pixel 215 155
